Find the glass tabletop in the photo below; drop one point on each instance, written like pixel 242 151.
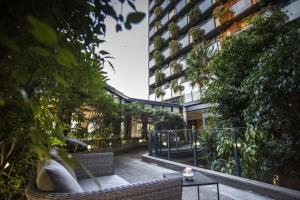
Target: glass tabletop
pixel 198 179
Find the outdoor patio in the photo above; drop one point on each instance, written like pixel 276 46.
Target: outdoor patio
pixel 130 167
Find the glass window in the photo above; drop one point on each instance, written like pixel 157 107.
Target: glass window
pixel 166 52
pixel 180 5
pixel 168 93
pixel 152 97
pixel 151 18
pixel 208 25
pixel 184 41
pixel 166 86
pixel 167 71
pixel 151 80
pixel 176 110
pixel 167 109
pixel 151 47
pixel 183 21
pixel 151 32
pixel 240 6
pixel 164 4
pixel 151 63
pixel 166 35
pixel 183 63
pixel 151 4
pixel 293 10
pixel 164 20
pixel 204 5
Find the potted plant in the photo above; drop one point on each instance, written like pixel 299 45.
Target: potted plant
pixel 159 76
pixel 194 14
pixel 158 42
pixel 157 25
pixel 196 34
pixel 159 92
pixel 176 67
pixel 173 29
pixel 223 13
pixel 157 10
pixel 174 46
pixel 177 89
pixel 158 57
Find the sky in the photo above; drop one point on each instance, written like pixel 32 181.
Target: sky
pixel 130 50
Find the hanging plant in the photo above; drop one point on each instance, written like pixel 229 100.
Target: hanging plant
pixel 174 46
pixel 159 92
pixel 157 10
pixel 176 87
pixel 157 25
pixel 194 14
pixel 223 13
pixel 196 34
pixel 176 67
pixel 159 77
pixel 174 29
pixel 158 57
pixel 158 42
pixel 157 1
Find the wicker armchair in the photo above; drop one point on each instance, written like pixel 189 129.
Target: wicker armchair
pixel 101 164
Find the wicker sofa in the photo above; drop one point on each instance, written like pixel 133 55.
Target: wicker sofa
pixel 113 187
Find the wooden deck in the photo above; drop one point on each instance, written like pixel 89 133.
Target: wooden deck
pixel 130 167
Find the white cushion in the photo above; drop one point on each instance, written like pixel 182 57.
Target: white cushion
pixel 105 182
pixel 53 177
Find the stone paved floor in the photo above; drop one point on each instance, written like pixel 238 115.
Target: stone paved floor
pixel 130 167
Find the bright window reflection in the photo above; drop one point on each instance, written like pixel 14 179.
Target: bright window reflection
pixel 240 6
pixel 205 5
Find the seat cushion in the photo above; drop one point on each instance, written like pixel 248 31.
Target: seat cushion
pixel 53 177
pixel 105 182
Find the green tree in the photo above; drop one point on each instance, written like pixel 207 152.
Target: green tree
pixel 257 76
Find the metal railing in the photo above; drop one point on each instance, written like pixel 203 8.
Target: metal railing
pixel 170 143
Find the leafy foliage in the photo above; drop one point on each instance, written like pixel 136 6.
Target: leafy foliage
pixel 50 67
pixel 251 85
pixel 174 46
pixel 159 92
pixel 158 57
pixel 196 33
pixel 157 10
pixel 197 61
pixel 175 66
pixel 173 29
pixel 194 14
pixel 158 42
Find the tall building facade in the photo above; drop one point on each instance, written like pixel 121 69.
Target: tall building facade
pixel 171 23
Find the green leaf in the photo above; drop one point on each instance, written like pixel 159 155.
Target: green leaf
pixel 40 51
pixel 43 32
pixel 103 52
pixel 66 58
pixel 60 79
pixel 134 18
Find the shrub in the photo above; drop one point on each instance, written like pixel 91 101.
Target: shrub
pixel 158 42
pixel 173 29
pixel 159 76
pixel 194 14
pixel 196 34
pixel 158 57
pixel 176 67
pixel 157 10
pixel 174 46
pixel 159 92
